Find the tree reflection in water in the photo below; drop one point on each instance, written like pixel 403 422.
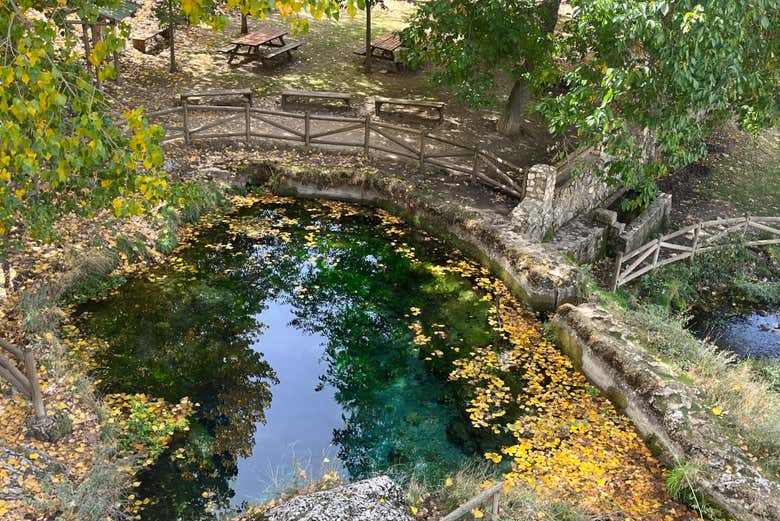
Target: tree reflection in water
pixel 349 276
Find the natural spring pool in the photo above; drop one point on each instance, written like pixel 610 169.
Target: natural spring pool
pixel 319 336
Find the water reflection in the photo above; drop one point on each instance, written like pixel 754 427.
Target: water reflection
pixel 754 335
pixel 289 325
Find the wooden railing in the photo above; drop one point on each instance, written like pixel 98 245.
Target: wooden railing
pixel 687 242
pixel 492 494
pixel 362 133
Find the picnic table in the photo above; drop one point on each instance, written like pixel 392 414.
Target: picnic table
pixel 249 45
pixel 384 47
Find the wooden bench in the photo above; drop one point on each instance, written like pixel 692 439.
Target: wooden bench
pixel 436 105
pixel 228 48
pixel 343 96
pixel 278 51
pixel 242 93
pixel 141 42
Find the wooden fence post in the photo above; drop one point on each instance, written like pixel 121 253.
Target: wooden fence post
pixel 695 244
pixel 657 251
pixel 367 138
pixel 35 384
pixel 306 131
pixel 475 166
pixel 616 274
pixel 747 225
pixel 422 150
pixel 494 508
pixel 185 121
pixel 247 122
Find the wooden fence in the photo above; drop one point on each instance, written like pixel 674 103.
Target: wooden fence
pixel 362 133
pixel 687 242
pixel 492 494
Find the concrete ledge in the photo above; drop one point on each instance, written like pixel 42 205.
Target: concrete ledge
pixel 667 412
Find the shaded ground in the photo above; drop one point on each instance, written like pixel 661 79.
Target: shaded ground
pixel 225 154
pixel 741 176
pixel 325 62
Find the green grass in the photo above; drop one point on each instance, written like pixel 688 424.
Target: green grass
pixel 680 483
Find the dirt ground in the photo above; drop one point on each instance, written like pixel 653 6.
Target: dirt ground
pixel 325 62
pixel 740 176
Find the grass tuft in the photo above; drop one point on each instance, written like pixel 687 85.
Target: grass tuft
pixel 98 497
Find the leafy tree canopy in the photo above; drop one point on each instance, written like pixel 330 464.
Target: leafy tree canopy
pixel 60 149
pixel 208 11
pixel 648 80
pixel 644 81
pixel 474 43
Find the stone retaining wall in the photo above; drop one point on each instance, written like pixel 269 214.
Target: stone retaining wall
pixel 667 412
pixel 547 207
pixel 653 219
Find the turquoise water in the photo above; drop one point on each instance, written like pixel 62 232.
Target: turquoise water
pixel 289 324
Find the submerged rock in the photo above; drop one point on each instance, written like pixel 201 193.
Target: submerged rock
pixel 376 499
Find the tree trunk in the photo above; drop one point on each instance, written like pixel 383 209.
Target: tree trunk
pixel 170 35
pixel 8 283
pixel 511 120
pixel 244 24
pixel 513 116
pixel 549 9
pixel 368 38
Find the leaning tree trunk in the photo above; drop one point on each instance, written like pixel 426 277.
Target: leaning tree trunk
pixel 511 120
pixel 5 263
pixel 8 283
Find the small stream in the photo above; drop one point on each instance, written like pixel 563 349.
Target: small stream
pixel 753 334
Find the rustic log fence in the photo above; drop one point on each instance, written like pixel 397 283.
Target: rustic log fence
pixel 687 242
pixel 492 494
pixel 362 133
pixel 22 375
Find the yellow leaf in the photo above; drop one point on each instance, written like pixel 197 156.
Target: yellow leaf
pixel 477 513
pixel 717 411
pixel 448 482
pixel 34 456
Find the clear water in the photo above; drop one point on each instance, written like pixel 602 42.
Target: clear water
pixel 754 335
pixel 289 324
